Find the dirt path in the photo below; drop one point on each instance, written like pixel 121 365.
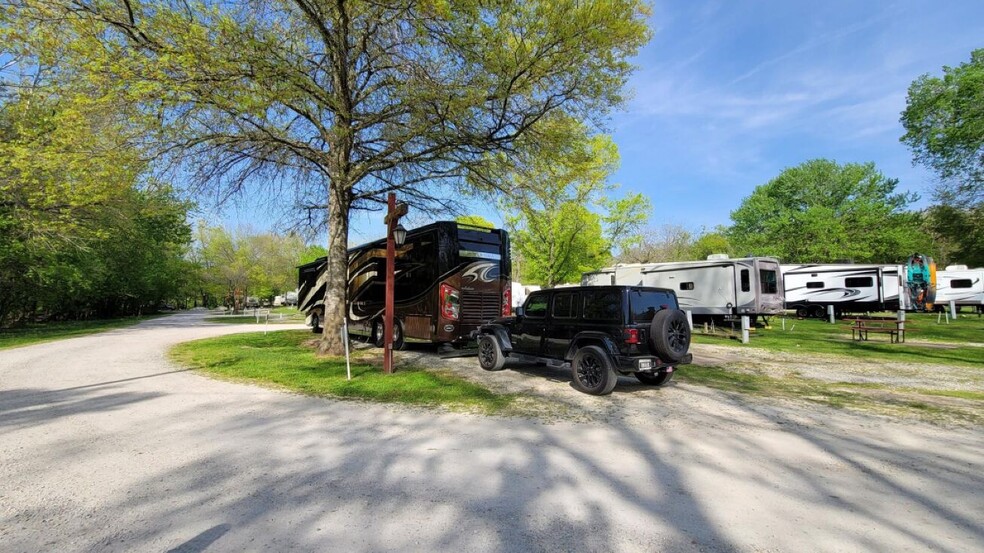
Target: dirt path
pixel 106 446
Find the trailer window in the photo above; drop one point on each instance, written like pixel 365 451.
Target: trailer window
pixel 536 306
pixel 746 284
pixel 563 307
pixel 961 283
pixel 814 284
pixel 686 285
pixel 859 282
pixel 770 283
pixel 602 306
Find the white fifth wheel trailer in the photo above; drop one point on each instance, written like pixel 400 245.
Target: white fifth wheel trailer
pixel 716 288
pixel 850 288
pixel 960 285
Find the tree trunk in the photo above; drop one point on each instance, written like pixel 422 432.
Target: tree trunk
pixel 337 271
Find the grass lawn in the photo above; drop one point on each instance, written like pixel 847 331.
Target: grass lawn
pixel 287 359
pixel 47 332
pixel 929 343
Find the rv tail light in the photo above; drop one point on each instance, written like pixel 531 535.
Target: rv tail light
pixel 450 303
pixel 506 302
pixel 632 336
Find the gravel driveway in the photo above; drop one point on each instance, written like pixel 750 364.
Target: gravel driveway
pixel 107 446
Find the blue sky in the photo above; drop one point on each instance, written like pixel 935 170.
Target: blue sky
pixel 728 94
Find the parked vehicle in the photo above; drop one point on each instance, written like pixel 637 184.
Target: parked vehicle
pixel 963 286
pixel 849 288
pixel 252 302
pixel 450 278
pixel 290 298
pixel 599 331
pixel 278 301
pixel 718 287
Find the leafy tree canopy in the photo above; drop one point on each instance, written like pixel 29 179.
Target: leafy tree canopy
pixel 822 212
pixel 944 123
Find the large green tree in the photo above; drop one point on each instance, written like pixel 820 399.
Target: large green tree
pixel 565 223
pixel 944 124
pixel 345 100
pixel 821 211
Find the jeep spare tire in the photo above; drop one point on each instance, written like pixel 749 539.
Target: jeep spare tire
pixel 669 335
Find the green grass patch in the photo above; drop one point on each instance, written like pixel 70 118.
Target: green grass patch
pixel 48 332
pixel 284 359
pixel 879 398
pixel 930 343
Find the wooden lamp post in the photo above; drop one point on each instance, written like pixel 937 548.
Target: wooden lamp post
pixel 395 236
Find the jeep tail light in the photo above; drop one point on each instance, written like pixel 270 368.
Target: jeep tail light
pixel 632 336
pixel 506 302
pixel 450 303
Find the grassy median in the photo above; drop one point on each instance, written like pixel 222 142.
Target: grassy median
pixel 287 359
pixel 48 332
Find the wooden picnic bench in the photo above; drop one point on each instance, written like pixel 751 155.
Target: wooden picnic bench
pixel 860 328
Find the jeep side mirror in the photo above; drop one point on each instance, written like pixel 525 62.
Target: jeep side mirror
pixel 519 311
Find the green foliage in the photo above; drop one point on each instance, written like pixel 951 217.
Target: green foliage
pixel 48 332
pixel 958 234
pixel 944 123
pixel 556 234
pixel 675 243
pixel 820 212
pixel 84 233
pixel 475 221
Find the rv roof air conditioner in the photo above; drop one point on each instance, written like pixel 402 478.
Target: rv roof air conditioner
pixel 717 256
pixel 956 268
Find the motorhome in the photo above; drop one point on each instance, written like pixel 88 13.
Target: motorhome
pixel 450 278
pixel 849 288
pixel 963 286
pixel 717 287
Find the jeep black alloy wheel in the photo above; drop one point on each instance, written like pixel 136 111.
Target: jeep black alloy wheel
pixel 669 335
pixel 593 372
pixel 489 353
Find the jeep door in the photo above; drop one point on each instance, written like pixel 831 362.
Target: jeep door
pixel 562 324
pixel 529 330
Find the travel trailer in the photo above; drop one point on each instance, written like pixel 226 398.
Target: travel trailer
pixel 850 288
pixel 960 285
pixel 450 278
pixel 718 287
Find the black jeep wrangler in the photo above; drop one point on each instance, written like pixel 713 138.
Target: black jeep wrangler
pixel 600 331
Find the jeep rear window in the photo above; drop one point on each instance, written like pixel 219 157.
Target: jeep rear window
pixel 602 306
pixel 645 304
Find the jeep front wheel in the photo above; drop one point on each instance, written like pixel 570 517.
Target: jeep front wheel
pixel 669 335
pixel 593 372
pixel 490 354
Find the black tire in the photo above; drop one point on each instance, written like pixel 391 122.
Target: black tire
pixel 316 322
pixel 818 311
pixel 657 379
pixel 377 334
pixel 669 335
pixel 490 353
pixel 801 312
pixel 593 372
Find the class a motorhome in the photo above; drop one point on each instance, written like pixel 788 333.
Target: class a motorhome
pixel 849 288
pixel 960 285
pixel 717 287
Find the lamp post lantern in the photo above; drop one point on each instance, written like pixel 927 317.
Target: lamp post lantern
pixel 395 235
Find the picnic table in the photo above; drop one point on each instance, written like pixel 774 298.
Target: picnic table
pixel 880 325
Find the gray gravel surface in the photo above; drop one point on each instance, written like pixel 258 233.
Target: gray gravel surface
pixel 107 446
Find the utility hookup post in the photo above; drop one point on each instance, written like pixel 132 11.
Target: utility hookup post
pixel 744 329
pixel 830 314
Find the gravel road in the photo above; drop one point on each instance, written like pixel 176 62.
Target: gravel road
pixel 107 446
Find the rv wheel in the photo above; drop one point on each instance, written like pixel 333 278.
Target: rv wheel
pixel 801 312
pixel 818 311
pixel 377 334
pixel 315 322
pixel 669 335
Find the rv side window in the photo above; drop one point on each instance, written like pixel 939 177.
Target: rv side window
pixel 745 281
pixel 961 283
pixel 563 307
pixel 686 285
pixel 536 306
pixel 814 284
pixel 859 282
pixel 770 284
